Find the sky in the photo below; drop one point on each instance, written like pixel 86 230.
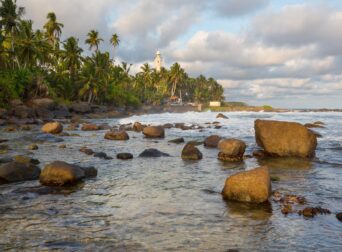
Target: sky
pixel 284 53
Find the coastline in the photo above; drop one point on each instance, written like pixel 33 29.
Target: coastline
pixel 41 110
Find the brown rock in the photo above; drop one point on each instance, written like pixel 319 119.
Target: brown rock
pixel 154 132
pixel 52 128
pixel 116 135
pixel 90 127
pixel 33 147
pixel 212 141
pixel 285 139
pixel 249 186
pixel 190 152
pixel 60 173
pixel 17 171
pixel 220 115
pixel 313 125
pixel 138 127
pixel 231 149
pixel 177 140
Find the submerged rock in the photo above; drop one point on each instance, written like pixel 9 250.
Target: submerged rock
pixel 154 132
pixel 33 147
pixel 117 135
pixel 177 140
pixel 60 173
pixel 124 156
pixel 220 115
pixel 90 127
pixel 18 171
pixel 231 150
pixel 311 212
pixel 153 153
pixel 52 128
pixel 102 155
pixel 190 152
pixel 26 160
pixel 212 141
pixel 86 151
pixel 339 216
pixel 285 139
pixel 248 186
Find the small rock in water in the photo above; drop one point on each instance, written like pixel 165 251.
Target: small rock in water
pixel 25 128
pixel 138 127
pixel 177 140
pixel 26 160
pixel 220 115
pixel 33 147
pixel 62 146
pixel 124 156
pixel 339 216
pixel 154 132
pixel 286 209
pixel 102 155
pixel 117 135
pixel 90 127
pixel 153 153
pixel 87 151
pixel 190 152
pixel 313 211
pixel 231 150
pixel 52 128
pixel 275 178
pixel 212 141
pixel 18 171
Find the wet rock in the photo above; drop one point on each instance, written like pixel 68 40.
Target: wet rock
pixel 124 156
pixel 62 111
pixel 116 135
pixel 17 171
pixel 259 154
pixel 285 139
pixel 184 127
pixel 319 123
pixel 217 127
pixel 248 186
pixel 286 209
pixel 102 155
pixel 311 212
pixel 89 172
pixel 190 152
pixel 11 128
pixel 312 125
pixel 60 173
pixel 179 125
pixel 52 128
pixel 25 128
pixel 196 143
pixel 220 115
pixel 25 160
pixel 177 140
pixel 62 146
pixel 275 178
pixel 339 216
pixel 73 126
pixel 33 147
pixel 168 126
pixel 153 153
pixel 138 127
pixel 212 141
pixel 318 135
pixel 86 151
pixel 231 150
pixel 154 132
pixel 90 127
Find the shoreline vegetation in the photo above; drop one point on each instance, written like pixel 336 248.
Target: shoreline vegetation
pixel 38 64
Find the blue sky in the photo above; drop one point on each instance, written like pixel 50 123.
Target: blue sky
pixel 285 53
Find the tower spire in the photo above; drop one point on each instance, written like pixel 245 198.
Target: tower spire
pixel 158 61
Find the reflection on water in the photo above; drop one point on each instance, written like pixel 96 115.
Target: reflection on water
pixel 167 204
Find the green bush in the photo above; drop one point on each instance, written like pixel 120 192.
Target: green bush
pixel 8 90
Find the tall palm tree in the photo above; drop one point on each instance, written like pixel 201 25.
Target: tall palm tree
pixel 93 40
pixel 10 15
pixel 53 29
pixel 177 75
pixel 71 56
pixel 114 40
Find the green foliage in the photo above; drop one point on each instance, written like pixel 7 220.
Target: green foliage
pixel 35 63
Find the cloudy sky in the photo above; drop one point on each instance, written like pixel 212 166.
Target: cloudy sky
pixel 285 53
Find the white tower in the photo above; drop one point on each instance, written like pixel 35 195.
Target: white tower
pixel 158 61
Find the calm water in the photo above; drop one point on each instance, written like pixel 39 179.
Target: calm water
pixel 167 204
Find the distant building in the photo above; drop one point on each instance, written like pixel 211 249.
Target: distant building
pixel 215 104
pixel 158 61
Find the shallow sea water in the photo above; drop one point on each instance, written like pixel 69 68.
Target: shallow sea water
pixel 167 204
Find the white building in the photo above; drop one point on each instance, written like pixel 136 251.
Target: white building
pixel 158 61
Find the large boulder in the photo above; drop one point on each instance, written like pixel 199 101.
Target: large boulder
pixel 212 141
pixel 285 139
pixel 231 150
pixel 52 127
pixel 154 132
pixel 191 152
pixel 249 186
pixel 60 173
pixel 18 171
pixel 116 135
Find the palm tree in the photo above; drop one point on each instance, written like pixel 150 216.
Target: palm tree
pixel 10 15
pixel 53 29
pixel 114 40
pixel 71 56
pixel 177 75
pixel 93 40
